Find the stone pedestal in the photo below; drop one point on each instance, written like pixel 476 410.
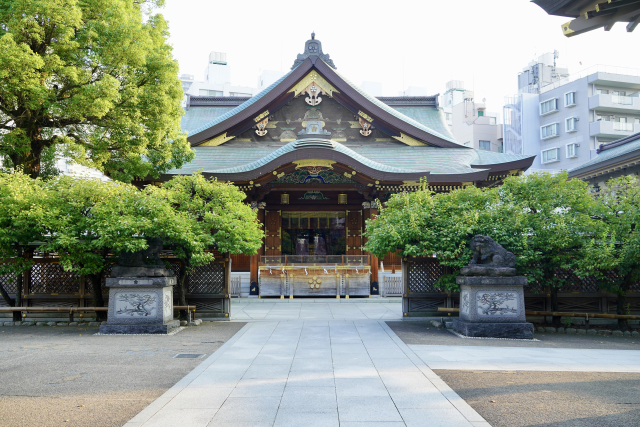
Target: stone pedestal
pixel 492 307
pixel 140 305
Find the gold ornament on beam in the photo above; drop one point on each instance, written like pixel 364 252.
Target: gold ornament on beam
pixel 262 127
pixel 313 90
pixel 284 199
pixel 342 199
pixel 366 127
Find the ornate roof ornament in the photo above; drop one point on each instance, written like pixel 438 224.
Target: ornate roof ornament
pixel 313 47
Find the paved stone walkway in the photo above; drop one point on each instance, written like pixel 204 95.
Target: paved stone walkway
pixel 324 309
pixel 347 373
pixel 527 359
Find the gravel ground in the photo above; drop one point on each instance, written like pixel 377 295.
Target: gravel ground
pixel 424 333
pixel 67 376
pixel 526 398
pixel 558 399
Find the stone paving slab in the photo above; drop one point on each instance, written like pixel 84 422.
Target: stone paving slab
pixel 527 359
pixel 316 309
pixel 311 373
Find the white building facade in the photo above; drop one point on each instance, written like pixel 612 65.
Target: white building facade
pixel 470 122
pixel 568 119
pixel 217 80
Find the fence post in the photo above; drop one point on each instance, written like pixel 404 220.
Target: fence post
pixel 404 266
pixel 226 303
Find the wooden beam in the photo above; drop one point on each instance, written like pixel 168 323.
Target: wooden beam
pixel 633 24
pixel 582 24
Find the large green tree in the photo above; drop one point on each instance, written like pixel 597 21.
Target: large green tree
pixel 21 212
pixel 93 80
pixel 90 221
pixel 558 220
pixel 426 224
pixel 617 248
pixel 217 209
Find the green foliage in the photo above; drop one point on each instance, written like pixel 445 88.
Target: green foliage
pixel 544 219
pixel 618 245
pixel 95 79
pixel 21 213
pixel 217 209
pixel 557 218
pixel 86 220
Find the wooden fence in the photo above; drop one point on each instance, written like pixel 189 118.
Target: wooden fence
pixel 422 298
pixel 46 284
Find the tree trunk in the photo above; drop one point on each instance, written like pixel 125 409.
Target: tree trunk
pixel 6 298
pixel 181 291
pixel 623 324
pixel 553 291
pixel 30 160
pixel 20 280
pixel 96 294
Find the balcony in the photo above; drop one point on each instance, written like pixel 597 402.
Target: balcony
pixel 614 103
pixel 616 130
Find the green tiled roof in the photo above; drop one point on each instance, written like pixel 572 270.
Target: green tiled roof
pixel 632 144
pixel 232 112
pixel 431 117
pixel 195 117
pixel 434 122
pixel 436 160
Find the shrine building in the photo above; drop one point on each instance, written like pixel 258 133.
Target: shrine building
pixel 315 154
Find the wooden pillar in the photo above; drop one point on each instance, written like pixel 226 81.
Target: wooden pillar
pixel 255 259
pixel 369 214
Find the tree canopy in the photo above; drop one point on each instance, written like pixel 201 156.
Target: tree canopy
pixel 93 81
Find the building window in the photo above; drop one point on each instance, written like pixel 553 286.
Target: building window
pixel 205 92
pixel 551 155
pixel 637 121
pixel 548 107
pixel 569 99
pixel 239 94
pixel 572 151
pixel 603 118
pixel 549 131
pixel 620 123
pixel 570 124
pixel 448 116
pixel 492 120
pixel 485 145
pixel 602 92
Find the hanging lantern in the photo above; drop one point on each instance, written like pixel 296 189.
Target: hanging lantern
pixel 284 199
pixel 342 199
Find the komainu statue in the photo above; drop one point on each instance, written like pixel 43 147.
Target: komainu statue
pixel 488 252
pixel 143 263
pixel 489 259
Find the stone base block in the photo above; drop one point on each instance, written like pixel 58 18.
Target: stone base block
pixel 494 330
pixel 140 329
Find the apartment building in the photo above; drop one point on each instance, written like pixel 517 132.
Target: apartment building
pixel 569 118
pixel 470 122
pixel 217 80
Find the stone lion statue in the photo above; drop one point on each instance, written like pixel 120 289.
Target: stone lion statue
pixel 144 263
pixel 137 259
pixel 486 252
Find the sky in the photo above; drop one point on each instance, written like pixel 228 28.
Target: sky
pixel 399 44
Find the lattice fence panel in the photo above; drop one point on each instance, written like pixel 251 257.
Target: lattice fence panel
pixel 573 283
pixel 426 304
pixel 535 304
pixel 9 282
pixel 51 278
pixel 423 275
pixel 582 305
pixel 54 303
pixel 207 305
pixel 207 279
